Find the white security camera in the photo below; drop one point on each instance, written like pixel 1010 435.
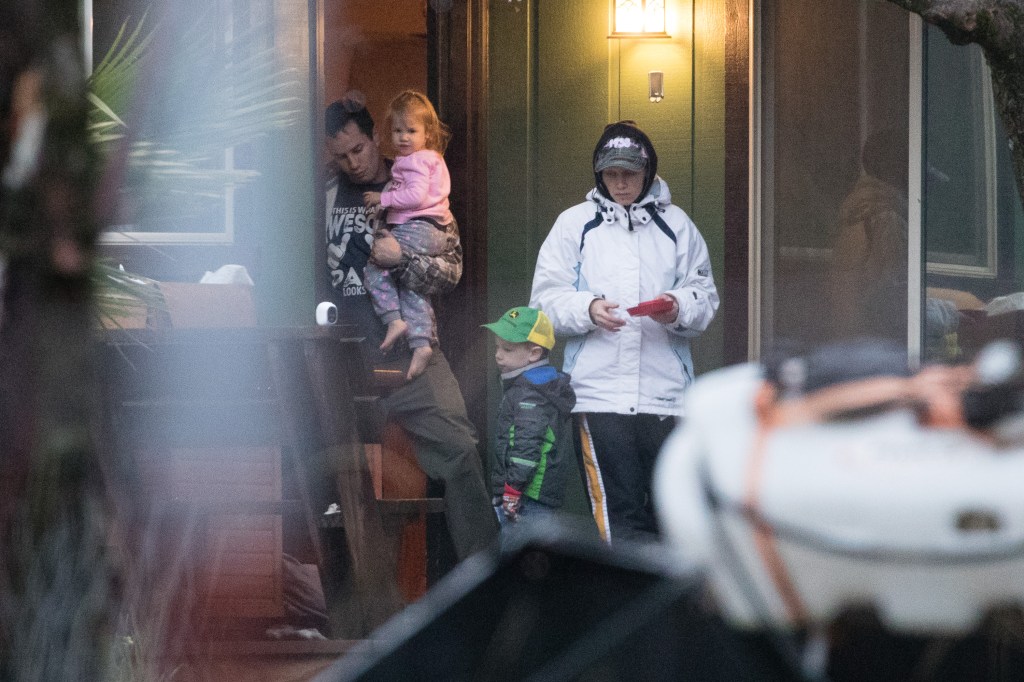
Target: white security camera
pixel 326 313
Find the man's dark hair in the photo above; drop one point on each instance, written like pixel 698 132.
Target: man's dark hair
pixel 885 156
pixel 350 108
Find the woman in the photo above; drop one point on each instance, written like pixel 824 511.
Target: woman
pixel 626 244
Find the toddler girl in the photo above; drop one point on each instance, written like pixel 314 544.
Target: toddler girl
pixel 416 200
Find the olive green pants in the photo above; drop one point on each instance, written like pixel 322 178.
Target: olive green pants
pixel 431 409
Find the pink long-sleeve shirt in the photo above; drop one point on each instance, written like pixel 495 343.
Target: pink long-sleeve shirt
pixel 419 187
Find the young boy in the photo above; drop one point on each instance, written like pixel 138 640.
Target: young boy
pixel 533 452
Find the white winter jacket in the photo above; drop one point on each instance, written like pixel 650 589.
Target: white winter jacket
pixel 601 249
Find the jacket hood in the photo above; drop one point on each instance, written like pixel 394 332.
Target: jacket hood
pixel 630 130
pixel 553 385
pixel 657 196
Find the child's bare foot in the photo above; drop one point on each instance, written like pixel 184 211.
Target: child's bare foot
pixel 396 329
pixel 420 357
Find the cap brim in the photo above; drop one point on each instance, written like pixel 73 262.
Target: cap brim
pixel 502 330
pixel 626 165
pixel 628 160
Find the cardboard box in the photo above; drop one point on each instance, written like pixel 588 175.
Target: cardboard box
pixel 208 305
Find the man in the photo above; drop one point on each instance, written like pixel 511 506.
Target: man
pixel 429 407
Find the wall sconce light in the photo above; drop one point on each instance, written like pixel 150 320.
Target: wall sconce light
pixel 656 85
pixel 639 19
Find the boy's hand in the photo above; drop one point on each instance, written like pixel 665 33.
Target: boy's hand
pixel 510 502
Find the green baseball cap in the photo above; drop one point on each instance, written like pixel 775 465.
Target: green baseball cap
pixel 523 324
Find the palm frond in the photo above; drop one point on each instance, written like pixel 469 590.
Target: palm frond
pixel 113 78
pixel 246 96
pixel 122 296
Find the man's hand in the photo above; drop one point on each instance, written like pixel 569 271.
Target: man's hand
pixel 510 502
pixel 669 316
pixel 334 255
pixel 386 252
pixel 371 199
pixel 601 314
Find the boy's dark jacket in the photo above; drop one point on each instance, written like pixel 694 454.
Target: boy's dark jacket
pixel 534 448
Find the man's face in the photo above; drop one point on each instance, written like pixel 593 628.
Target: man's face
pixel 624 185
pixel 357 155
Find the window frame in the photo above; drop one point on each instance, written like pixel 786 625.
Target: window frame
pixel 919 264
pixel 124 234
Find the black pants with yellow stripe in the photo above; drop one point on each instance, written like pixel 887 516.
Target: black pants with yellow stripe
pixel 617 454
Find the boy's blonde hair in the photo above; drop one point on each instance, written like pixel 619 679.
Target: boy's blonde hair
pixel 415 103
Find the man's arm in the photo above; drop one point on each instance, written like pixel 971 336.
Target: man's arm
pixel 431 275
pixel 426 275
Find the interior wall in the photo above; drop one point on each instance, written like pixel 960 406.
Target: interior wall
pixel 377 47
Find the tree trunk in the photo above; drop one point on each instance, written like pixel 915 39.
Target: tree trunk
pixel 54 585
pixel 997 26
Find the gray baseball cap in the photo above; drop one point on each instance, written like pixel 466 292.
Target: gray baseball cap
pixel 621 152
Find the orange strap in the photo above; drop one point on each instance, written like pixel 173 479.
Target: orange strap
pixel 764 539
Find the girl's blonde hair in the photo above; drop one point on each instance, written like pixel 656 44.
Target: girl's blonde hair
pixel 414 103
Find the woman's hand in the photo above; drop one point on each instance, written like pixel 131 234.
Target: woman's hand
pixel 601 314
pixel 669 316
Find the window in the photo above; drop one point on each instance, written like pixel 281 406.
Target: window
pixel 961 161
pixel 193 120
pixel 885 186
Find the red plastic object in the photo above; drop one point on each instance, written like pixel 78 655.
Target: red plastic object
pixel 652 307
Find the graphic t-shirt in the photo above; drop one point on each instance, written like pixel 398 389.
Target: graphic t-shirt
pixel 349 238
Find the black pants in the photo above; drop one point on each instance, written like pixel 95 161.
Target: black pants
pixel 617 454
pixel 430 408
